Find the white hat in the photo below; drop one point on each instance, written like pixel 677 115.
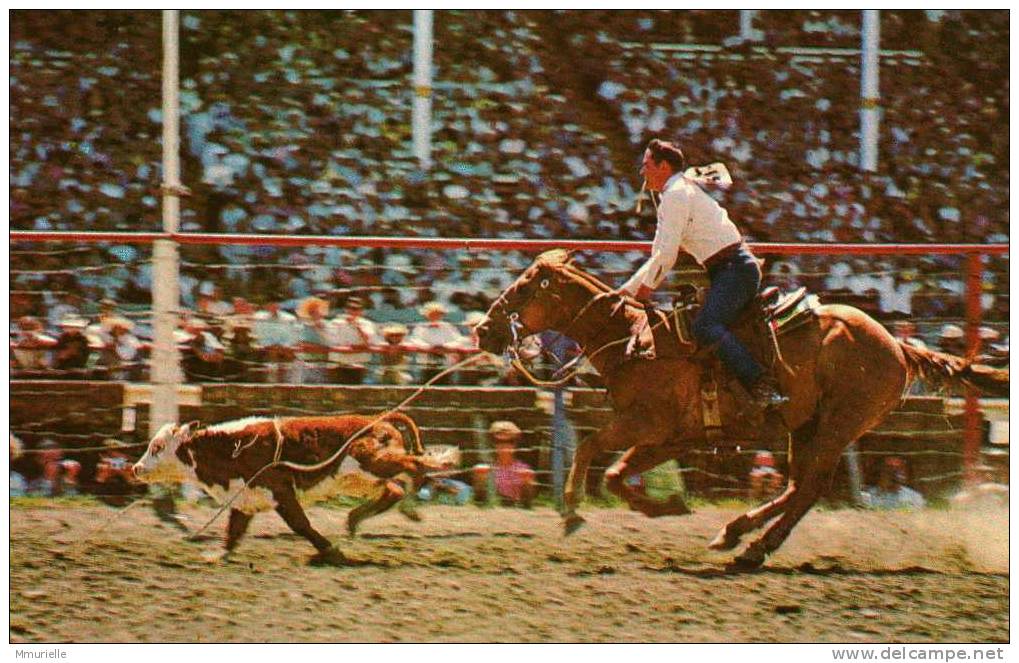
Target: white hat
pixel 951 331
pixel 988 334
pixel 74 322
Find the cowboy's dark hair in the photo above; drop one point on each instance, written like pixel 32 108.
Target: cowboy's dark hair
pixel 663 150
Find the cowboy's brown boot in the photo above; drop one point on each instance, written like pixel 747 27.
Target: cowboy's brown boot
pixel 765 394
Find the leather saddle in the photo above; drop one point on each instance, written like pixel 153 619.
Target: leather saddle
pixel 770 314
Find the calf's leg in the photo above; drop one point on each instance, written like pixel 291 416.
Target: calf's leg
pixel 236 528
pixel 293 514
pixel 391 494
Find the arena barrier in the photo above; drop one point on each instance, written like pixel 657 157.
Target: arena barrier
pixel 200 257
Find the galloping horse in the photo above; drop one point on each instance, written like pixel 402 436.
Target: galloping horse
pixel 843 373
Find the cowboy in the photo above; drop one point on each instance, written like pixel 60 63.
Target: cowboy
pixel 357 333
pixel 435 338
pixel 691 220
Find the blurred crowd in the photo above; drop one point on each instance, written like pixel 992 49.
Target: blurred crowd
pixel 318 342
pixel 238 341
pixel 300 122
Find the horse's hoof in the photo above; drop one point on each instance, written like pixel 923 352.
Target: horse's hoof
pixel 330 557
pixel 677 506
pixel 746 562
pixel 352 528
pixel 572 523
pixel 410 513
pixel 215 556
pixel 723 541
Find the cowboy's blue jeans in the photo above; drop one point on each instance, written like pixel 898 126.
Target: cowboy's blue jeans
pixel 734 284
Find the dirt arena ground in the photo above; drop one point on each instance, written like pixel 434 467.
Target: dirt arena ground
pixel 498 575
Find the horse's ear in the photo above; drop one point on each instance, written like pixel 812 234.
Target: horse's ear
pixel 569 256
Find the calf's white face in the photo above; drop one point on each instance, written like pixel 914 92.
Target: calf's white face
pixel 160 463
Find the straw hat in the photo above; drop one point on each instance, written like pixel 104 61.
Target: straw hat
pixel 504 429
pixel 117 322
pixel 309 304
pixel 433 307
pixel 395 329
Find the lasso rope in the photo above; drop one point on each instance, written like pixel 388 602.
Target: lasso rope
pixel 278 462
pixel 108 521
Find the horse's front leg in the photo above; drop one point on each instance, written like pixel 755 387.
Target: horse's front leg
pixel 635 462
pixel 640 428
pixel 574 487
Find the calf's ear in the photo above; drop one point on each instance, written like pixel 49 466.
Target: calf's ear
pixel 184 432
pixel 386 434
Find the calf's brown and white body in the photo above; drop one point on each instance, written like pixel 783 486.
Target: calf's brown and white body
pixel 222 458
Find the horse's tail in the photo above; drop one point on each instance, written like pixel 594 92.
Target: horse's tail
pixel 418 448
pixel 942 369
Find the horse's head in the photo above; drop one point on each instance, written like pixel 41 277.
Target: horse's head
pixel 536 301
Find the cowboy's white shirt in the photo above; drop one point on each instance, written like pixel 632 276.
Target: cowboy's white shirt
pixel 688 219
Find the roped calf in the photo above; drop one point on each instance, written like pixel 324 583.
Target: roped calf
pixel 223 457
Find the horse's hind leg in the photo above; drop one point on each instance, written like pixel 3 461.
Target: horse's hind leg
pixel 634 462
pixel 802 450
pixel 801 498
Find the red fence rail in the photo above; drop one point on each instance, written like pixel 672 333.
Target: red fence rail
pixel 470 243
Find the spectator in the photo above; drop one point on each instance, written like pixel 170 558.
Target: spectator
pixel 997 354
pixel 114 477
pixel 989 490
pixel 18 485
pixel 210 301
pixel 58 476
pixel 316 337
pixel 353 331
pixel 952 340
pixel 123 356
pixel 485 370
pixel 71 352
pixel 68 307
pixel 765 479
pixel 394 355
pixel 205 359
pixel 449 488
pixel 275 335
pixel 32 344
pixel 436 338
pixel 988 337
pixel 905 331
pixel 513 479
pixel 891 491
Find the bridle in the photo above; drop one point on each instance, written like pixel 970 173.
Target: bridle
pixel 518 331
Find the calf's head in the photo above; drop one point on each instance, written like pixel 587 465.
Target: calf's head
pixel 165 461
